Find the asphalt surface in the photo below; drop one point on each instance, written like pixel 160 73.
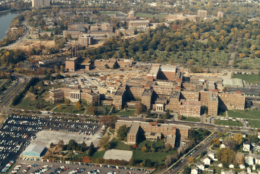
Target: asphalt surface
pixel 102 170
pixel 13 155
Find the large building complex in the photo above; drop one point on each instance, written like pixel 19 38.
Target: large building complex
pixel 153 131
pixel 166 88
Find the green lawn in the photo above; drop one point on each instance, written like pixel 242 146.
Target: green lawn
pixel 247 114
pixel 108 12
pixel 70 109
pixel 192 119
pixel 254 123
pixel 161 15
pixel 129 112
pixel 101 110
pixel 153 156
pixel 228 123
pixel 116 144
pixel 31 103
pixel 250 78
pixel 147 15
pixel 99 154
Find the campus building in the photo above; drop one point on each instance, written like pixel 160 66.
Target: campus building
pixel 40 3
pixel 202 13
pixel 153 131
pixel 74 95
pixel 71 63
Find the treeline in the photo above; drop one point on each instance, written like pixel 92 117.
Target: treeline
pixel 18 98
pixel 11 57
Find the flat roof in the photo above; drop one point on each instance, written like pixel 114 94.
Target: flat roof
pixel 134 128
pixel 118 154
pixel 34 148
pixel 72 58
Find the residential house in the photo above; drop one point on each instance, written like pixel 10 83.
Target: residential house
pixel 228 172
pixel 246 146
pixel 210 171
pixel 257 161
pixel 206 160
pixel 249 160
pixel 220 165
pixel 194 170
pixel 212 156
pixel 201 166
pixel 248 170
pixel 242 166
pixel 231 166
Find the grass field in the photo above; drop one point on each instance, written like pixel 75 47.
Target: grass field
pixel 247 114
pixel 108 12
pixel 116 144
pixel 161 15
pixel 70 109
pixel 250 78
pixel 146 15
pixel 254 123
pixel 192 119
pixel 228 123
pixel 130 112
pixel 99 154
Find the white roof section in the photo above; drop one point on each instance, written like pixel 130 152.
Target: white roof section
pixel 118 155
pixel 233 83
pixel 34 148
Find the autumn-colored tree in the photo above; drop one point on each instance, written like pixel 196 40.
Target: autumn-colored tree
pixel 104 142
pixel 257 53
pixel 216 50
pixel 59 106
pixel 46 28
pixel 215 142
pixel 78 106
pixel 191 62
pixel 239 159
pixel 225 89
pixel 241 55
pixel 91 110
pixel 252 48
pixel 67 102
pixel 108 120
pixel 144 149
pixel 191 159
pixel 238 138
pixel 139 108
pixel 62 68
pixel 86 159
pixel 247 35
pixel 226 155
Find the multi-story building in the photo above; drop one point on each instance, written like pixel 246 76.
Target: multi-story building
pixel 74 33
pixel 85 40
pixel 118 99
pixel 190 108
pixel 40 3
pixel 147 98
pixel 74 95
pixel 190 95
pixel 56 95
pixel 181 17
pixel 232 100
pixel 153 131
pixel 220 14
pixel 70 63
pixel 212 103
pixel 202 13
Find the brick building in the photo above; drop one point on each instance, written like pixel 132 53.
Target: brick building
pixel 169 131
pixel 71 63
pixel 190 108
pixel 74 95
pixel 74 33
pixel 85 40
pixel 118 99
pixel 212 103
pixel 56 95
pixel 202 13
pixel 232 100
pixel 181 17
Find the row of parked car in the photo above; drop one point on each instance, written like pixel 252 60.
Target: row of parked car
pixel 7 166
pixel 5 134
pixel 9 149
pixel 22 128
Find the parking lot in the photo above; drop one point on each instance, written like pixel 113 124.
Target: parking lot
pixel 18 132
pixel 69 168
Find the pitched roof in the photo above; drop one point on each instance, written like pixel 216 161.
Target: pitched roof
pixel 34 148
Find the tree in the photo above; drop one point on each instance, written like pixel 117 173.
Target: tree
pixel 220 134
pixel 215 142
pixel 186 170
pixel 91 110
pixel 78 106
pixel 59 106
pixel 147 163
pixel 167 115
pixel 91 149
pixel 139 108
pixel 144 149
pixel 31 89
pixel 51 78
pixel 104 143
pixel 106 66
pixel 191 159
pixel 148 113
pixel 226 155
pixel 122 132
pixel 60 143
pixel 238 138
pixel 225 89
pixel 68 36
pixel 86 159
pixel 241 55
pixel 62 68
pixel 67 102
pixel 253 138
pixel 191 62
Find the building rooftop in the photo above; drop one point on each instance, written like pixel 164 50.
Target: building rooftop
pixel 35 148
pixel 134 128
pixel 72 58
pixel 119 92
pixel 147 92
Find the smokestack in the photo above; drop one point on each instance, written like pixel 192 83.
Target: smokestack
pixel 75 51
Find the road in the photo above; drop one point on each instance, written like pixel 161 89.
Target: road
pixel 24 36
